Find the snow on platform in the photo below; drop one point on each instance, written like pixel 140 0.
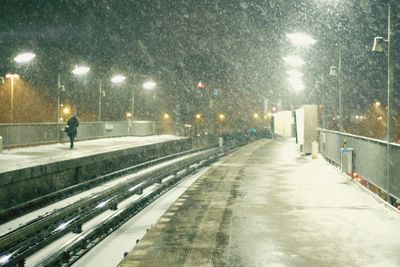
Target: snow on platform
pixel 19 158
pixel 268 205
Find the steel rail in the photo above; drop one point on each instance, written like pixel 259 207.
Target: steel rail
pixel 30 238
pixel 36 203
pixel 81 244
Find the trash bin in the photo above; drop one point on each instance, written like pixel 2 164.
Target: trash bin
pixel 346 160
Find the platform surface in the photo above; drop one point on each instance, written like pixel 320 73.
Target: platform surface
pixel 268 205
pixel 18 158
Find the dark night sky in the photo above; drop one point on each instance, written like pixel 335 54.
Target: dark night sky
pixel 229 43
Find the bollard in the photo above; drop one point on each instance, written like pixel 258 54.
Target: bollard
pixel 1 144
pixel 314 150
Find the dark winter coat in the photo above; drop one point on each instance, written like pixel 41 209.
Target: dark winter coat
pixel 73 124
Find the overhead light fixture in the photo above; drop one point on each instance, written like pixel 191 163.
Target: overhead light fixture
pixel 80 70
pixel 378 44
pixel 296 83
pixel 294 61
pixel 118 78
pixel 12 76
pixel 301 39
pixel 148 85
pixel 333 71
pixel 294 73
pixel 24 58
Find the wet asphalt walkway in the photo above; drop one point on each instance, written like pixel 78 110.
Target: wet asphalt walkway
pixel 267 205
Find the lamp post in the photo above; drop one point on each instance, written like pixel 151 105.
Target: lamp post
pixel 22 58
pixel 150 85
pixel 80 71
pixel 117 79
pixel 101 94
pixel 337 72
pixel 378 47
pixel 12 77
pixel 133 102
pixel 58 107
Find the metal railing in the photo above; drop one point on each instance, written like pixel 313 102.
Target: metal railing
pixel 29 134
pixel 369 159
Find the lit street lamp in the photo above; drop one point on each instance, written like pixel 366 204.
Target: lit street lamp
pixel 116 79
pixel 378 47
pixel 150 85
pixel 12 77
pixel 294 61
pixel 294 73
pixel 80 70
pixel 337 72
pixel 24 58
pixel 301 39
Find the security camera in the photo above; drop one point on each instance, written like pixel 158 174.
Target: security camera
pixel 378 44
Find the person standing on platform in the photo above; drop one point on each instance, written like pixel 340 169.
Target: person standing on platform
pixel 72 124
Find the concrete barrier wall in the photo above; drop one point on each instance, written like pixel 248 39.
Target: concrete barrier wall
pixel 142 128
pixel 23 185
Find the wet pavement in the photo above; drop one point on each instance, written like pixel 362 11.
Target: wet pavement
pixel 268 205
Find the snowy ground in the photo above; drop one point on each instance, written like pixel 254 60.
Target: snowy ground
pixel 272 206
pixel 19 158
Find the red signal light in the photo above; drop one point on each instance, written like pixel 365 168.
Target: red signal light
pixel 200 85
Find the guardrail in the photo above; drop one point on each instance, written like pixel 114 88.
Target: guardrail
pixel 28 134
pixel 369 160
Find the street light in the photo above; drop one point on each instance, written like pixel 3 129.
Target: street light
pixel 336 71
pixel 301 39
pixel 24 58
pixel 116 79
pixel 12 77
pixel 150 85
pixel 294 73
pixel 294 61
pixel 378 47
pixel 296 83
pixel 80 70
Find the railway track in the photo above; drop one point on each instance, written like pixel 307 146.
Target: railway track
pixel 26 240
